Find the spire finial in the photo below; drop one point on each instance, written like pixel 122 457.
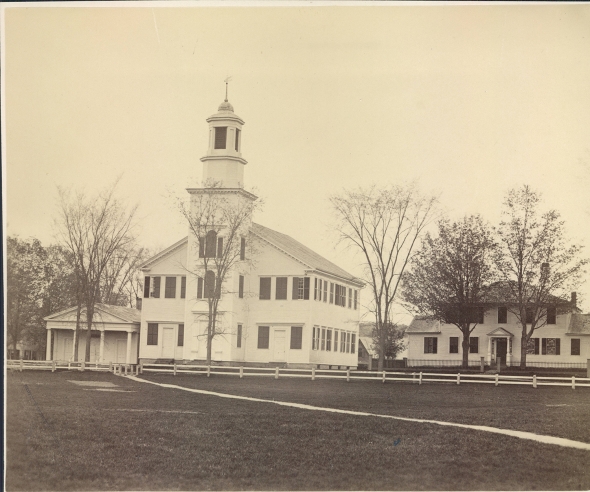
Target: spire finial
pixel 226 84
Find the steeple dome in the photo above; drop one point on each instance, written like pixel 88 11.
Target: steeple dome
pixel 225 106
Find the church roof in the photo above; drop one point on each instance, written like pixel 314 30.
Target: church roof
pixel 301 252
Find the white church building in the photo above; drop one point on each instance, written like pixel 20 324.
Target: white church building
pixel 288 306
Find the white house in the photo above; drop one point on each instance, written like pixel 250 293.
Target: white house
pixel 564 340
pixel 288 306
pixel 113 338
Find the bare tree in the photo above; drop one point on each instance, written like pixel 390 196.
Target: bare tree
pixel 449 275
pixel 94 229
pixel 121 282
pixel 219 223
pixel 384 225
pixel 538 265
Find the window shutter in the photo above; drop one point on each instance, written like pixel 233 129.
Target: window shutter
pixel 200 288
pixel 146 288
pixel 156 291
pixel 425 345
pixel 536 346
pixel 241 287
pixel 543 346
pixel 239 337
pixel 182 287
pixel 219 247
pixel 295 287
pixel 315 290
pixel 263 337
pixel 209 284
pixel 237 139
pixel 220 137
pixel 210 244
pixel 181 335
pixel 243 248
pixel 435 345
pixel 558 346
pixel 306 288
pixel 201 247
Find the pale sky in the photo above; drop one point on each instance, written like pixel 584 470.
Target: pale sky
pixel 468 99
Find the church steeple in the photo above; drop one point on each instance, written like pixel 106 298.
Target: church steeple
pixel 223 163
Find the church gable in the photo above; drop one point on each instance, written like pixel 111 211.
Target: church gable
pixel 172 260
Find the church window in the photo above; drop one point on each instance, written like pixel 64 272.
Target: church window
pixel 263 332
pixel 300 287
pixel 209 284
pixel 356 292
pixel 220 137
pixel 335 340
pixel 325 290
pixel 281 289
pixel 156 287
pixel 170 292
pixel 237 139
pixel 219 247
pixel 296 337
pixel 323 343
pixel 353 344
pixel 329 340
pixel 264 288
pixel 152 335
pixel 199 288
pixel 331 293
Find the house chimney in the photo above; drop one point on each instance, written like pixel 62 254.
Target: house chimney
pixel 574 300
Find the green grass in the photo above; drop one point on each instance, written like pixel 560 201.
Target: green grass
pixel 61 436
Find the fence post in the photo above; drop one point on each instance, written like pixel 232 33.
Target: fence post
pixel 208 371
pixel 141 367
pixel 53 366
pixel 110 366
pixel 313 373
pixel 458 378
pixel 83 366
pixel 175 368
pixel 483 364
pixel 348 375
pixel 383 376
pixel 137 370
pixel 588 374
pixel 21 365
pixel 241 372
pixel 420 378
pixel 496 382
pixel 573 382
pixel 534 380
pixel 277 373
pixel 499 361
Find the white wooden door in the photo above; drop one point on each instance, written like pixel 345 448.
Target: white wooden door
pixel 279 345
pixel 121 351
pixel 67 352
pixel 168 342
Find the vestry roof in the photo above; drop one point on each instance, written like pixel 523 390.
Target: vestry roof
pixel 302 253
pixel 125 313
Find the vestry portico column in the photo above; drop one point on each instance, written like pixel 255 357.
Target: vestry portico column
pixel 101 354
pixel 128 357
pixel 489 350
pixel 48 349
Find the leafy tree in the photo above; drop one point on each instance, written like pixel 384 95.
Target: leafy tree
pixel 394 339
pixel 450 275
pixel 383 224
pixel 219 226
pixel 94 230
pixel 538 265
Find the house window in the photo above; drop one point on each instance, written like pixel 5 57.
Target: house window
pixel 210 285
pixel 331 293
pixel 430 345
pixel 156 287
pixel 575 346
pixel 181 335
pixel 473 345
pixel 502 315
pixel 323 345
pixel 532 347
pixel 146 287
pixel 264 288
pixel 315 339
pixel 152 336
pixel 182 287
pixel 300 287
pixel 353 344
pixel 342 341
pixel 454 345
pixel 243 248
pixel 551 315
pixel 329 340
pixel 281 288
pixel 219 247
pixel 237 139
pixel 325 291
pixel 296 337
pixel 220 137
pixel 241 287
pixel 199 288
pixel 239 337
pixel 263 337
pixel 355 298
pixel 529 316
pixel 336 340
pixel 550 346
pixel 170 292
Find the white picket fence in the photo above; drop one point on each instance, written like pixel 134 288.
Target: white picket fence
pixel 53 365
pixel 413 377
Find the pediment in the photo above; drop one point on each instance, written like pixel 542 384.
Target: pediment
pixel 100 316
pixel 500 332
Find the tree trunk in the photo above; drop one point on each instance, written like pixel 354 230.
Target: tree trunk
pixel 523 349
pixel 465 347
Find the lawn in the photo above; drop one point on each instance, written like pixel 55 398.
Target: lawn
pixel 65 436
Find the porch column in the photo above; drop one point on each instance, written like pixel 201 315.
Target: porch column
pixel 101 355
pixel 74 346
pixel 490 351
pixel 48 349
pixel 509 351
pixel 128 356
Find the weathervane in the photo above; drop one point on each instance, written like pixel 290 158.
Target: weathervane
pixel 226 83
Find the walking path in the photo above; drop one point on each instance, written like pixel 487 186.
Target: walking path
pixel 559 441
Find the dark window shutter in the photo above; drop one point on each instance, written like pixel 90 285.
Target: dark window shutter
pixel 306 288
pixel 220 137
pixel 200 288
pixel 201 247
pixel 156 291
pixel 536 346
pixel 181 335
pixel 558 346
pixel 219 247
pixel 239 337
pixel 182 287
pixel 426 339
pixel 241 287
pixel 315 289
pixel 146 288
pixel 435 345
pixel 543 346
pixel 295 287
pixel 209 284
pixel 237 139
pixel 210 244
pixel 243 248
pixel 264 288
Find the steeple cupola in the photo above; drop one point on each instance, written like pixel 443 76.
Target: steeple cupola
pixel 223 163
